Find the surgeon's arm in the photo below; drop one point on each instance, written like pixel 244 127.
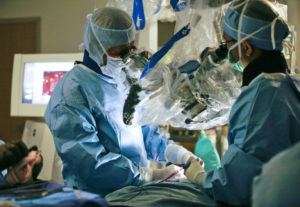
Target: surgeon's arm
pixel 231 182
pixel 155 143
pixel 80 147
pixel 161 149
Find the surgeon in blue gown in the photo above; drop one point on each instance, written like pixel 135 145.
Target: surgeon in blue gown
pixel 265 119
pixel 99 152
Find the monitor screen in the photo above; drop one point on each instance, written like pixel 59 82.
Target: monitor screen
pixel 34 79
pixel 40 79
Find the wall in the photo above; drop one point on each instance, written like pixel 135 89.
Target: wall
pixel 62 21
pixel 61 24
pixel 294 19
pixel 15 37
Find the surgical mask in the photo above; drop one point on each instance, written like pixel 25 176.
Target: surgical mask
pixel 113 68
pixel 114 65
pixel 236 65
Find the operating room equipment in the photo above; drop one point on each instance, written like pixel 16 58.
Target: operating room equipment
pixel 213 57
pixel 183 32
pixel 188 86
pixel 148 64
pixel 135 61
pixel 185 95
pixel 131 101
pixel 189 67
pixel 138 14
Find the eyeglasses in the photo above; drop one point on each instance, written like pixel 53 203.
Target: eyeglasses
pixel 119 51
pixel 228 41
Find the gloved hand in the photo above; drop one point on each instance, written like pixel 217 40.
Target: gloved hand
pixel 22 172
pixel 177 155
pixel 163 173
pixel 160 174
pixel 11 154
pixel 195 172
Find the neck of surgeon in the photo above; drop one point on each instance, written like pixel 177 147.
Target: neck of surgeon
pixel 266 62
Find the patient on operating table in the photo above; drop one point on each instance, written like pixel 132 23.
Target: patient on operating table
pixel 23 165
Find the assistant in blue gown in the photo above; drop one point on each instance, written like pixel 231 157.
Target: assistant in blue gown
pixel 265 119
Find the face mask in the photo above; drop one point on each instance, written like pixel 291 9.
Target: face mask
pixel 113 67
pixel 237 65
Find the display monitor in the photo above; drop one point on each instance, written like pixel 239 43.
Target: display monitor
pixel 34 78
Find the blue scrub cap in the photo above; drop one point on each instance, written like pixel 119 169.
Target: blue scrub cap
pixel 266 35
pixel 106 28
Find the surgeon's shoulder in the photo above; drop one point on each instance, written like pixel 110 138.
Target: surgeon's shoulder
pixel 268 81
pixel 269 78
pixel 71 87
pixel 77 75
pixel 264 88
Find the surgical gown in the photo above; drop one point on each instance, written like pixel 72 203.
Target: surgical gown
pixel 264 120
pixel 279 183
pixel 99 152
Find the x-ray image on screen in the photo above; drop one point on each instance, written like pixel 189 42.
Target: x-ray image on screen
pixel 40 79
pixel 50 79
